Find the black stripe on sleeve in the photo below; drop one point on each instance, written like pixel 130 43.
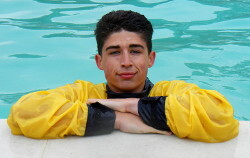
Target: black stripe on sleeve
pixel 152 112
pixel 101 120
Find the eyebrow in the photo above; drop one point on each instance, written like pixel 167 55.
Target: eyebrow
pixel 130 46
pixel 135 46
pixel 112 47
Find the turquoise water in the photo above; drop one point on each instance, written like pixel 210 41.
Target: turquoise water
pixel 45 44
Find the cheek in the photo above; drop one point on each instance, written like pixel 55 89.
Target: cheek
pixel 143 65
pixel 109 69
pixel 143 69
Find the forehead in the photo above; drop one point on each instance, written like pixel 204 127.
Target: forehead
pixel 124 39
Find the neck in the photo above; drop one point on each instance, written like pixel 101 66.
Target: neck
pixel 134 90
pixel 143 93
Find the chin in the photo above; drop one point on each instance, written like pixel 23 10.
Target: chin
pixel 128 88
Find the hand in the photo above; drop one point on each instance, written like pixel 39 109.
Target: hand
pixel 127 122
pixel 130 123
pixel 121 105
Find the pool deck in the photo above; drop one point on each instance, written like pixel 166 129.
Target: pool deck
pixel 118 144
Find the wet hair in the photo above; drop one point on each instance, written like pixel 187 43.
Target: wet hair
pixel 116 21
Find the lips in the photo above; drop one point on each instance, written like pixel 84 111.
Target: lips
pixel 127 75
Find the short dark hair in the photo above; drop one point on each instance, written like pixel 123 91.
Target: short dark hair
pixel 116 21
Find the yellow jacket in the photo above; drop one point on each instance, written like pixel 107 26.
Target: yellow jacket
pixel 191 112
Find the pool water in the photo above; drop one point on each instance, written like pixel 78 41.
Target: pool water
pixel 45 44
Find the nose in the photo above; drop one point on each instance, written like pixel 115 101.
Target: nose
pixel 126 60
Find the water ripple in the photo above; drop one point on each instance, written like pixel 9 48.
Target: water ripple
pixel 210 37
pixel 190 30
pixel 200 69
pixel 104 2
pixel 27 56
pixel 67 34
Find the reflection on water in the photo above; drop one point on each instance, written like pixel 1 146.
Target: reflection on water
pixel 202 40
pixel 138 3
pixel 60 34
pixel 9 99
pixel 201 69
pixel 27 56
pixel 67 34
pixel 186 34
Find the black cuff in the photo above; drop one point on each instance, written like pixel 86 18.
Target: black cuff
pixel 101 120
pixel 152 112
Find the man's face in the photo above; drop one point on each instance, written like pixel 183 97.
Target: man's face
pixel 125 61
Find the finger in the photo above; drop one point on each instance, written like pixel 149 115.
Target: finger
pixel 101 101
pixel 164 133
pixel 161 132
pixel 169 133
pixel 115 104
pixel 90 101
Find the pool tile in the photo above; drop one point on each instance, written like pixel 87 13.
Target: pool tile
pixel 118 144
pixel 12 146
pixel 243 140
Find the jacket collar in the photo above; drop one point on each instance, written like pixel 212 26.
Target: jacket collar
pixel 147 88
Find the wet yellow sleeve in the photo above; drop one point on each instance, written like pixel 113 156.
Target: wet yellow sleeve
pixel 54 113
pixel 198 114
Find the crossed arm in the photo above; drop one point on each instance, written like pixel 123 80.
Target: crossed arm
pixel 191 112
pixel 127 117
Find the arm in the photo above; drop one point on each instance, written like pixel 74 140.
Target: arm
pixel 63 111
pixel 195 113
pixel 129 123
pixel 53 113
pixel 149 109
pixel 129 105
pixel 104 119
pixel 190 112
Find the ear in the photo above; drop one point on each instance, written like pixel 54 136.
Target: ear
pixel 98 61
pixel 151 58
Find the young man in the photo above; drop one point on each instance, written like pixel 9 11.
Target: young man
pixel 125 54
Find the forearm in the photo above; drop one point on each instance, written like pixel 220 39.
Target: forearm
pixel 152 112
pixel 100 120
pixel 47 115
pixel 132 106
pixel 52 113
pixel 129 105
pixel 150 109
pixel 130 123
pixel 195 113
pixel 117 120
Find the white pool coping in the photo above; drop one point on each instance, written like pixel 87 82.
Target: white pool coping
pixel 118 144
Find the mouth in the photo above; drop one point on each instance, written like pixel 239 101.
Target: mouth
pixel 127 75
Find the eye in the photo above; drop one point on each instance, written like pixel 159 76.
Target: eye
pixel 135 52
pixel 114 53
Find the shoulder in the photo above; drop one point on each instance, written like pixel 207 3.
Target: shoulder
pixel 101 86
pixel 164 88
pixel 93 90
pixel 82 82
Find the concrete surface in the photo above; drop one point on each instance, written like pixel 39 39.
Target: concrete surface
pixel 120 144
